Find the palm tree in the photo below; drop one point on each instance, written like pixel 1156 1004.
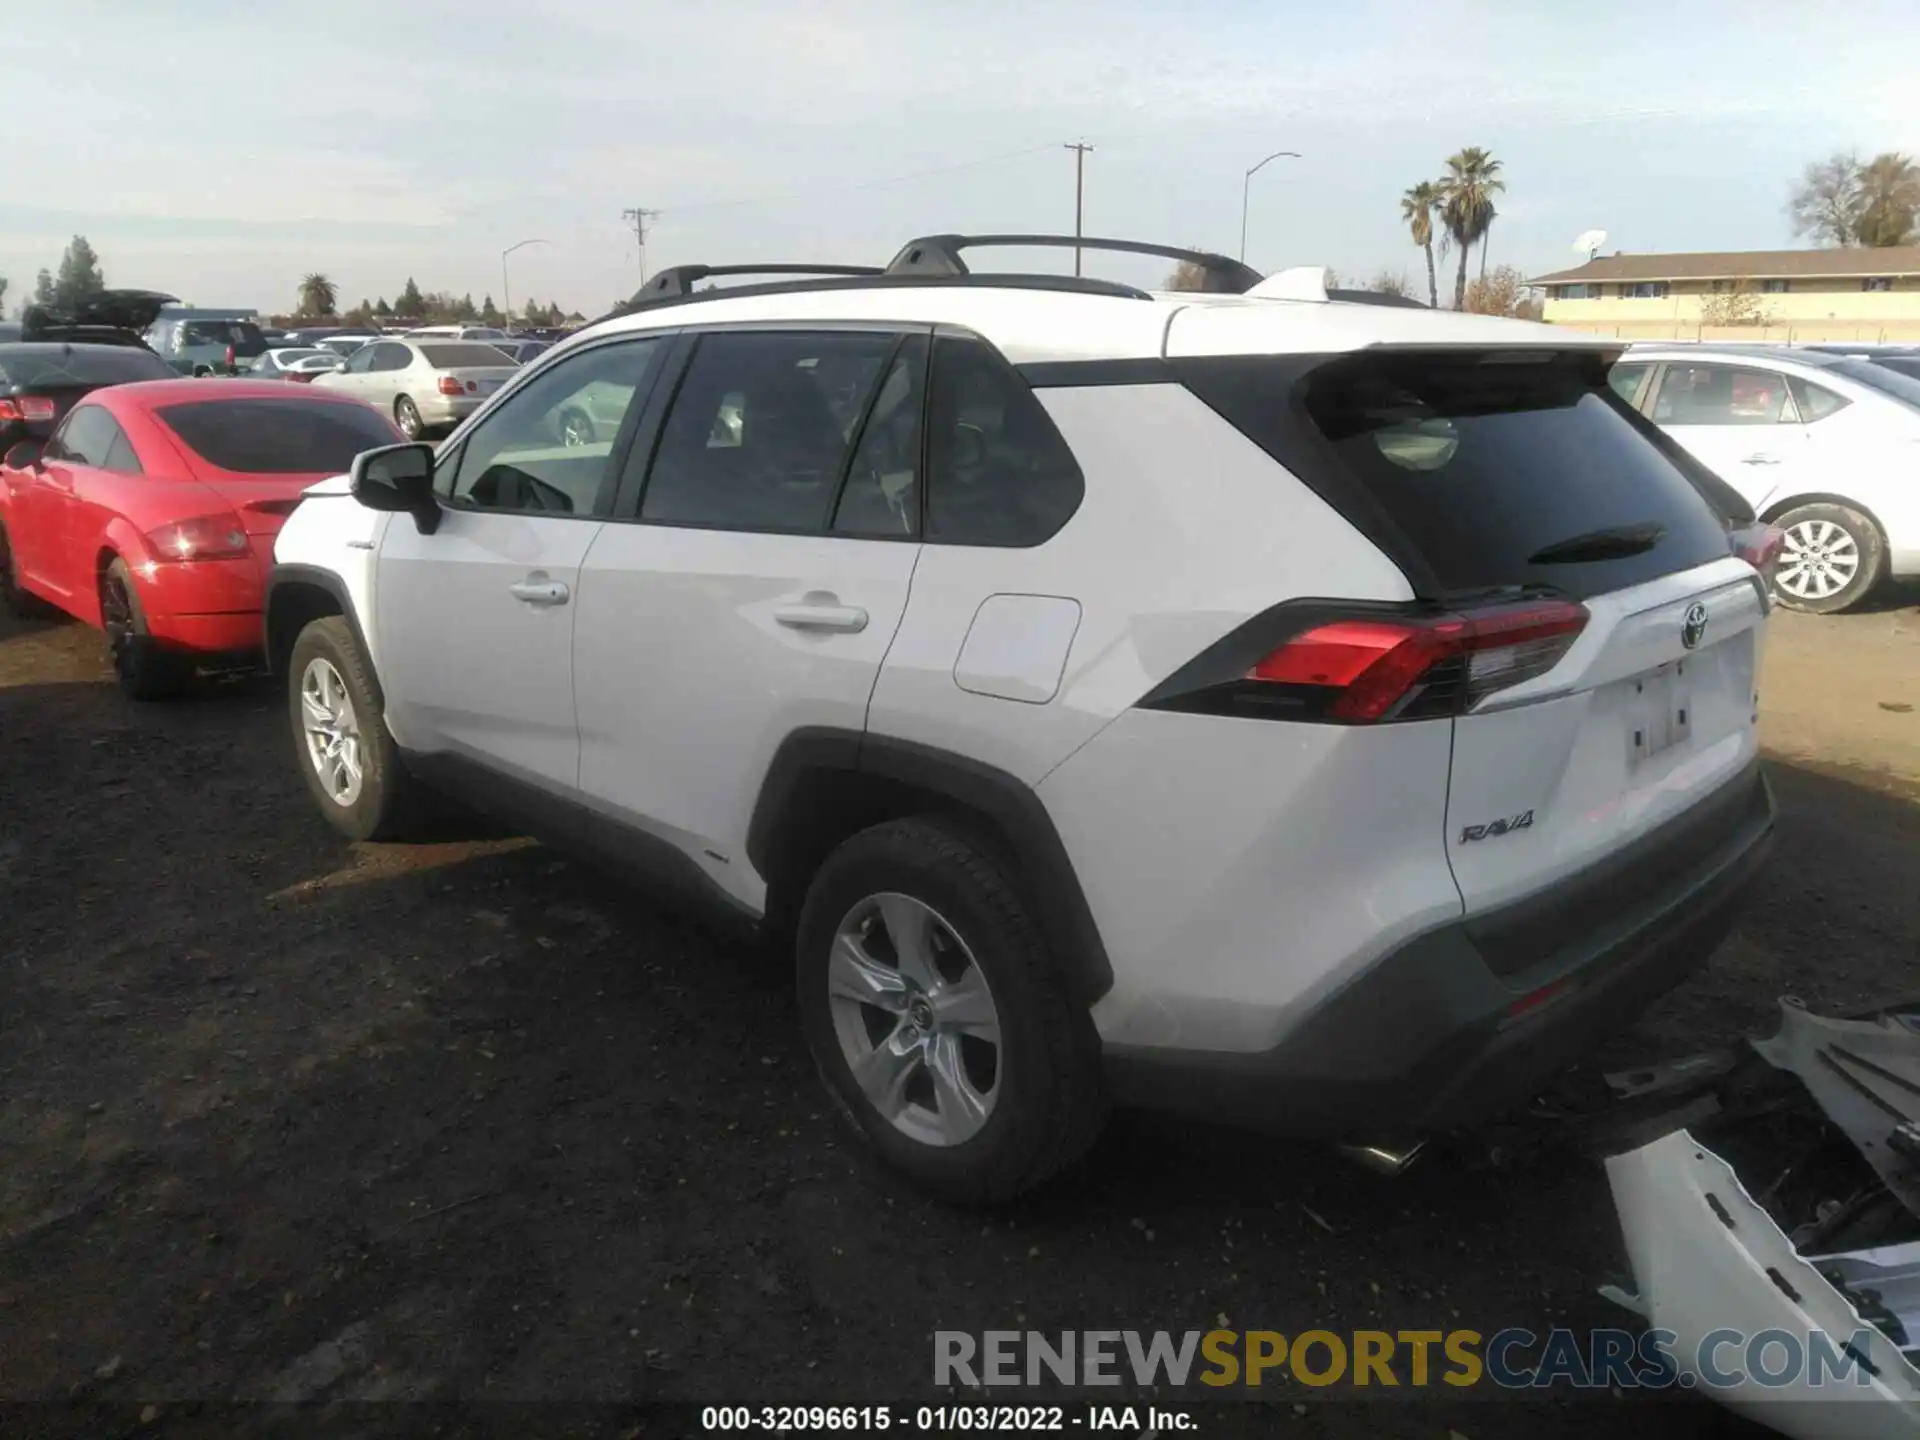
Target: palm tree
pixel 1417 207
pixel 1889 200
pixel 318 295
pixel 1466 205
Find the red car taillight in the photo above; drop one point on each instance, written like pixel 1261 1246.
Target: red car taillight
pixel 205 537
pixel 1759 545
pixel 28 407
pixel 1367 669
pixel 450 386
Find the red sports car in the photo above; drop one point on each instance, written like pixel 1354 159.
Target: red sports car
pixel 150 513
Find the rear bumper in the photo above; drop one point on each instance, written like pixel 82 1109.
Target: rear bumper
pixel 438 409
pixel 1431 1037
pixel 208 607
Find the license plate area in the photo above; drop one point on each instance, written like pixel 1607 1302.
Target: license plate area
pixel 1659 712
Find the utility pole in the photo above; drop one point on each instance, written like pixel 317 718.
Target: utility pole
pixel 1080 149
pixel 638 219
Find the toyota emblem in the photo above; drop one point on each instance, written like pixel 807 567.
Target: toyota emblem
pixel 1694 626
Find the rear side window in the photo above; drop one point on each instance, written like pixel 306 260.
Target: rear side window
pixel 87 437
pixel 1474 470
pixel 1626 379
pixel 759 430
pixel 1815 402
pixel 278 437
pixel 998 472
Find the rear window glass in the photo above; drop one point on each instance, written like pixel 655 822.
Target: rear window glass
pixel 245 338
pixel 1487 471
pixel 278 437
pixel 458 354
pixel 1889 377
pixel 58 367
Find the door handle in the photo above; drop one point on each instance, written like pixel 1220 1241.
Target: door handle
pixel 846 619
pixel 1761 460
pixel 539 591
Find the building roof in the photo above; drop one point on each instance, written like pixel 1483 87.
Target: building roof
pixel 1746 265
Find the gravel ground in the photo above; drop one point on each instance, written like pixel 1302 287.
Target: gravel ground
pixel 283 1118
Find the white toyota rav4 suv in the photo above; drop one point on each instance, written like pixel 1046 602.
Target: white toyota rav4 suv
pixel 1325 715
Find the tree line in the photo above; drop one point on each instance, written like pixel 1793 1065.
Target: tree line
pixel 80 274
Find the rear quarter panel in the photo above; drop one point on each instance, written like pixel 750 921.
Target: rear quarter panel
pixel 1186 530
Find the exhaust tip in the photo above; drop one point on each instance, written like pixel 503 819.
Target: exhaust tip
pixel 1384 1158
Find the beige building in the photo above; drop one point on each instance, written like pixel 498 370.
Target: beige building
pixel 1855 294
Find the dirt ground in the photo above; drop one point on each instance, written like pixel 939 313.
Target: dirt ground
pixel 283 1118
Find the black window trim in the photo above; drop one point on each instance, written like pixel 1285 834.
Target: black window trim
pixel 667 390
pixel 607 499
pixel 858 437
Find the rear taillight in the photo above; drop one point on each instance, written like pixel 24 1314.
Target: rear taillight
pixel 205 537
pixel 450 386
pixel 301 377
pixel 233 361
pixel 1759 545
pixel 1364 670
pixel 274 507
pixel 28 407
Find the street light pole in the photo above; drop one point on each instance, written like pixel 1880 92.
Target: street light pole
pixel 1246 186
pixel 506 288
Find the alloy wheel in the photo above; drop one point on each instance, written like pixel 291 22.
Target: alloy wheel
pixel 332 732
pixel 116 618
pixel 915 1019
pixel 407 416
pixel 1818 560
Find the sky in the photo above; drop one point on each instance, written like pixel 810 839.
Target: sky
pixel 222 149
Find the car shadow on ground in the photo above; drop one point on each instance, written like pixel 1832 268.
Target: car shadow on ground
pixel 291 1118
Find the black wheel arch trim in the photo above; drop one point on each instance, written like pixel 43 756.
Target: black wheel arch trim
pixel 1010 805
pixel 285 577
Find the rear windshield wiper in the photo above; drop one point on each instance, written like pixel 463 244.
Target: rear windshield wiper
pixel 1616 542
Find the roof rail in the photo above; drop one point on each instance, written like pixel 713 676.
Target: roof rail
pixel 680 279
pixel 1072 284
pixel 940 255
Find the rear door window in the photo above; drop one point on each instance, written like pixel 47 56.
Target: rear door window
pixel 1722 395
pixel 759 430
pixel 998 472
pixel 1478 471
pixel 389 357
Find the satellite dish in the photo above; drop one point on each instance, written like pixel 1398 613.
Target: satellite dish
pixel 1589 244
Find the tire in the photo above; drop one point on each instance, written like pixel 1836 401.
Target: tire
pixel 145 668
pixel 21 603
pixel 407 416
pixel 576 428
pixel 1010 1115
pixel 349 761
pixel 1832 557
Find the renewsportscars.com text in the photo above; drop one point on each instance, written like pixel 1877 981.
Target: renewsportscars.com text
pixel 1511 1359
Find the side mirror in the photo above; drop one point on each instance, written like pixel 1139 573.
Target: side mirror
pixel 399 479
pixel 25 455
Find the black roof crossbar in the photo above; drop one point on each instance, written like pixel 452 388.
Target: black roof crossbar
pixel 940 255
pixel 680 279
pixel 1378 297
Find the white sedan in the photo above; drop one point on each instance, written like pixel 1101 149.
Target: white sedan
pixel 1824 446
